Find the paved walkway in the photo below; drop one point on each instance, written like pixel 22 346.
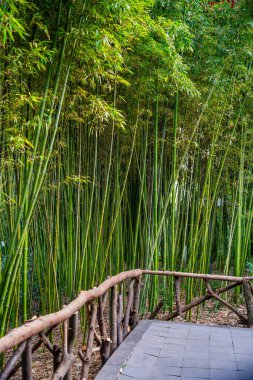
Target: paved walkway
pixel 158 350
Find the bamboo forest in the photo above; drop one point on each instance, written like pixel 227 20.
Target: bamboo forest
pixel 126 141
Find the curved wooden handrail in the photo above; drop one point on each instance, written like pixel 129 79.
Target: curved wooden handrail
pixel 197 275
pixel 40 324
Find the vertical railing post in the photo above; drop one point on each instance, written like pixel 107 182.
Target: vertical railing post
pixel 71 335
pixel 114 318
pixel 56 357
pixel 128 308
pixel 177 290
pixel 136 302
pixel 86 358
pixel 248 295
pixel 27 361
pixel 106 342
pixel 120 316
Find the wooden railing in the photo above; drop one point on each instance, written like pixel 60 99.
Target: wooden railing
pixel 124 316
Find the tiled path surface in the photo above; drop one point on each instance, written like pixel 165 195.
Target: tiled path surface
pixel 170 350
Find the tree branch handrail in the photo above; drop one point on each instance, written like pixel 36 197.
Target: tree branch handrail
pixel 40 324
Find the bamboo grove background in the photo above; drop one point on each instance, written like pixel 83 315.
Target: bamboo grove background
pixel 125 142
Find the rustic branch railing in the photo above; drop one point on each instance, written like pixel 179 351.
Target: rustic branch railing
pixel 119 325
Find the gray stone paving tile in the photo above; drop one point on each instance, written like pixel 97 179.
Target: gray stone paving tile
pixel 196 373
pixel 243 357
pixel 199 334
pixel 177 334
pixel 164 377
pixel 136 373
pixel 150 338
pixel 158 350
pixel 147 350
pixel 216 340
pixel 245 375
pixel 217 331
pixel 242 349
pixel 162 335
pixel 142 360
pixel 197 348
pixel 220 343
pixel 169 362
pixel 222 349
pixel 191 378
pixel 245 366
pixel 196 363
pixel 156 345
pixel 199 354
pixel 156 328
pixel 108 372
pixel 161 325
pixel 119 356
pixel 223 356
pixel 197 342
pixel 178 325
pixel 171 354
pixel 221 374
pixel 156 323
pixel 172 371
pixel 106 375
pixel 223 364
pixel 173 347
pixel 175 340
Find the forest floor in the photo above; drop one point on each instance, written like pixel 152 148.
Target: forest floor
pixel 209 314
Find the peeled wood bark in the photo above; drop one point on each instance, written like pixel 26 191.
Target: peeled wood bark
pixel 27 362
pixel 248 295
pixel 197 275
pixel 210 291
pixel 202 299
